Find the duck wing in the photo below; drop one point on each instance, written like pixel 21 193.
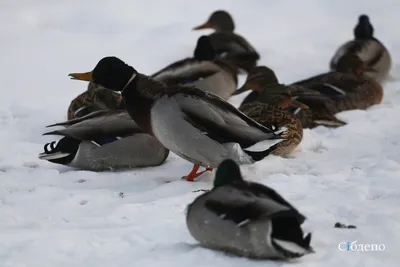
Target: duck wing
pixel 98 125
pixel 185 71
pixel 242 206
pixel 220 120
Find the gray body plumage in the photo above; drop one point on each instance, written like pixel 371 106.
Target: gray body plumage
pixel 189 140
pixel 138 150
pixel 249 238
pixel 372 52
pixel 132 149
pixel 218 80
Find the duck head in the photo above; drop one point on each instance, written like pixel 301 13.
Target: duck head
pixel 257 78
pixel 364 28
pixel 283 100
pixel 220 20
pixel 227 172
pixel 204 49
pixel 352 64
pixel 110 72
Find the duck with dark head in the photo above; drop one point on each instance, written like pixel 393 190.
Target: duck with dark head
pixel 373 54
pixel 227 43
pixel 196 125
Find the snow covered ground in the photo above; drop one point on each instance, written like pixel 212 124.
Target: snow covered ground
pixel 52 215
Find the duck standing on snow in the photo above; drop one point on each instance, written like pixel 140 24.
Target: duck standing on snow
pixel 203 71
pixel 348 87
pixel 373 54
pixel 246 218
pixel 271 111
pixel 94 98
pixel 264 83
pixel 227 43
pixel 104 140
pixel 196 125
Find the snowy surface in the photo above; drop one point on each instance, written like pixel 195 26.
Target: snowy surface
pixel 55 216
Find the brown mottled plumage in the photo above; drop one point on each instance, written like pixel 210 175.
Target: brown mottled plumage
pixel 272 113
pixel 349 88
pixel 263 81
pixel 95 98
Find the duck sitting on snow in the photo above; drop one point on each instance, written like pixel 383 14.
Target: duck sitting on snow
pixel 196 125
pixel 104 140
pixel 246 218
pixel 203 70
pixel 271 110
pixel 373 54
pixel 263 82
pixel 94 98
pixel 227 43
pixel 348 87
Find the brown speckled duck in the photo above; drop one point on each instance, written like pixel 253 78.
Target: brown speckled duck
pixel 348 87
pixel 94 98
pixel 373 54
pixel 203 71
pixel 271 110
pixel 227 43
pixel 196 125
pixel 263 81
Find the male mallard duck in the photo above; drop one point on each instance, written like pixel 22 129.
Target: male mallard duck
pixel 246 218
pixel 95 98
pixel 203 71
pixel 371 51
pixel 196 125
pixel 227 43
pixel 348 87
pixel 271 111
pixel 263 81
pixel 104 140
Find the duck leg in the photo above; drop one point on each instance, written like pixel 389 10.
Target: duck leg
pixel 194 174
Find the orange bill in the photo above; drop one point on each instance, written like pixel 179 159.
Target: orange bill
pixel 203 26
pixel 85 76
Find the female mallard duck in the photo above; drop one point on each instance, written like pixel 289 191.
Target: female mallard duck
pixel 227 43
pixel 271 111
pixel 203 71
pixel 371 51
pixel 246 218
pixel 104 140
pixel 196 125
pixel 95 98
pixel 263 81
pixel 348 87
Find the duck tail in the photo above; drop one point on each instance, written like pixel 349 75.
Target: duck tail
pixel 261 149
pixel 62 153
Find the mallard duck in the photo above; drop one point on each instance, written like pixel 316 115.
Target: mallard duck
pixel 348 87
pixel 373 54
pixel 196 125
pixel 227 43
pixel 271 110
pixel 103 140
pixel 246 218
pixel 94 98
pixel 263 82
pixel 203 70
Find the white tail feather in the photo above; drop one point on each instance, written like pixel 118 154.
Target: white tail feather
pixel 291 246
pixel 52 156
pixel 335 88
pixel 263 145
